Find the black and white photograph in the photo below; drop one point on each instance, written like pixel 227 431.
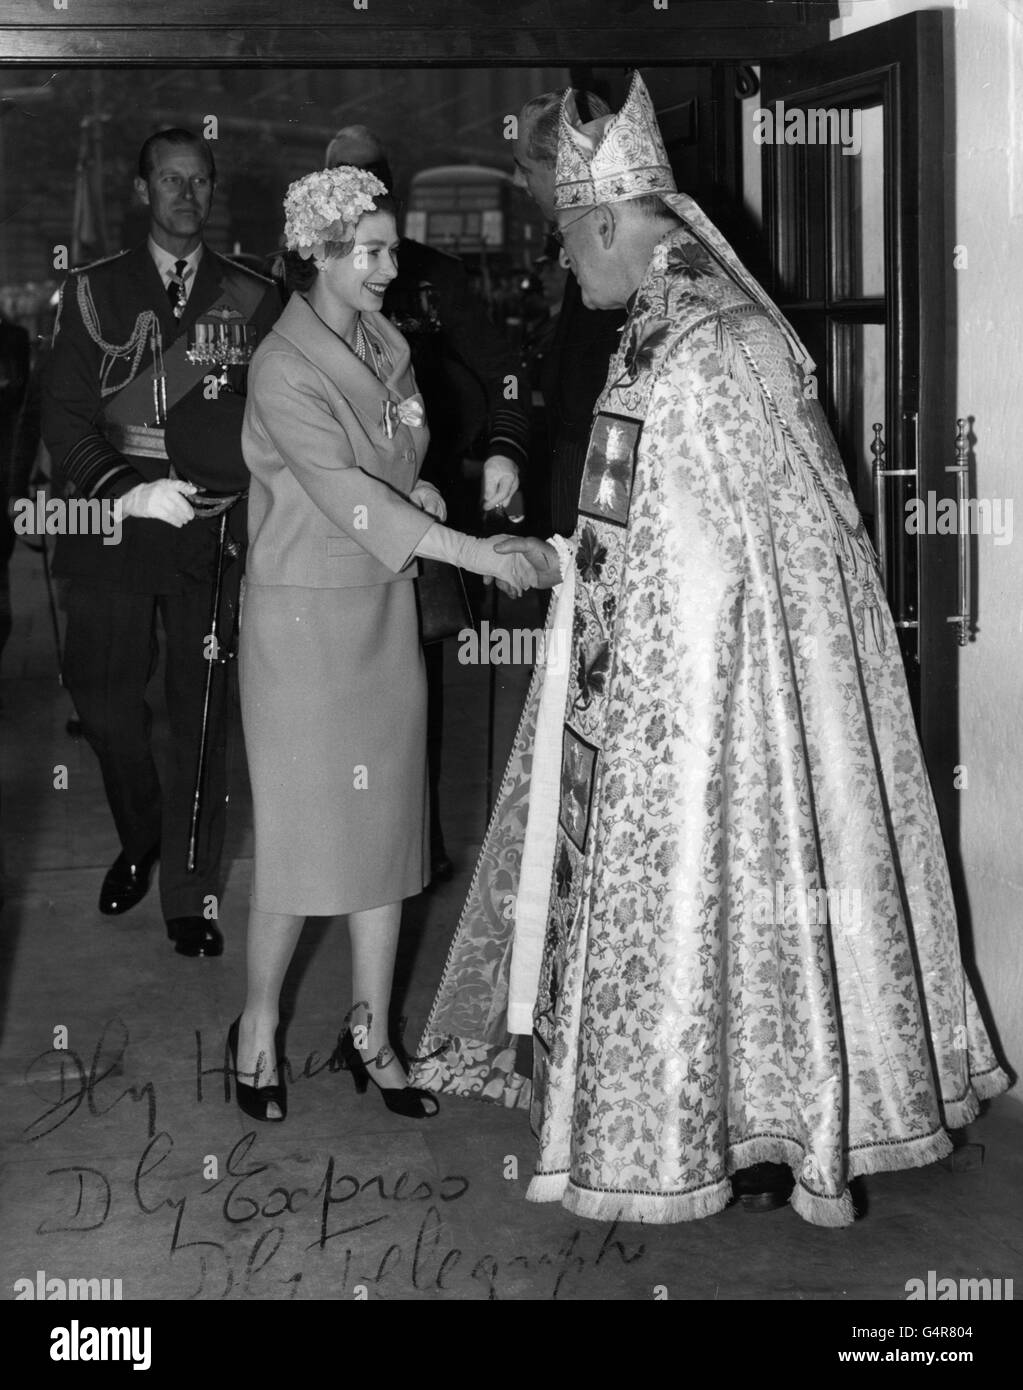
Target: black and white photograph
pixel 511 670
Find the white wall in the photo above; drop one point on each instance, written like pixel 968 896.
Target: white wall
pixel 985 159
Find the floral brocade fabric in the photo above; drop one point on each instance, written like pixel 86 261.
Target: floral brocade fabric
pixel 751 950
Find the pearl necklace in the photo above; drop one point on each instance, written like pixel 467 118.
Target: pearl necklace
pixel 362 344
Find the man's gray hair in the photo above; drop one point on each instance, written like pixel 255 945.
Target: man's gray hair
pixel 541 116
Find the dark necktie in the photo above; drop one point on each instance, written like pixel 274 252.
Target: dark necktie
pixel 176 288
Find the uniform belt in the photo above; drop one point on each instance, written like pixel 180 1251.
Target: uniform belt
pixel 144 441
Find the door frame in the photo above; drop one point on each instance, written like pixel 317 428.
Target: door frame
pixel 902 61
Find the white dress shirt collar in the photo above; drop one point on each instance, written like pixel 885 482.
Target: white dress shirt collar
pixel 165 262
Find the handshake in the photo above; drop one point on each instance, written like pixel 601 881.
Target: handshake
pixel 513 563
pixel 520 563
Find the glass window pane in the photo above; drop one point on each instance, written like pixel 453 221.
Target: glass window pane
pixel 857 205
pixel 857 383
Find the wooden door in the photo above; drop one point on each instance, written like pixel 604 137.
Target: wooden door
pixel 859 256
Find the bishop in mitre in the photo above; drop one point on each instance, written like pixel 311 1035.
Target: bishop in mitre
pixel 713 889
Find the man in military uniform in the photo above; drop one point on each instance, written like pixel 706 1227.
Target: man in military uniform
pixel 462 366
pixel 128 416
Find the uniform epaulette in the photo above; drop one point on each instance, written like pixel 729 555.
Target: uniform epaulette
pixel 243 269
pixel 104 260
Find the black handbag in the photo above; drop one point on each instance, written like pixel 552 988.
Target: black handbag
pixel 443 603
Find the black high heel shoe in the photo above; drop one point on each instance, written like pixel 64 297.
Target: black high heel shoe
pixel 255 1101
pixel 409 1101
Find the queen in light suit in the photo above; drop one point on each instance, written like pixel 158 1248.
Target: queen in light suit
pixel 332 681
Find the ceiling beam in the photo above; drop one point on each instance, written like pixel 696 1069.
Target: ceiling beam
pixel 482 33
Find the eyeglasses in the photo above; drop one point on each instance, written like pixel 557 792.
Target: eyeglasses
pixel 558 233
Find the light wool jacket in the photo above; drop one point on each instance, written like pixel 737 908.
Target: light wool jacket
pixel 328 501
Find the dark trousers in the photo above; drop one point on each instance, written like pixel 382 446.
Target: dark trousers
pixel 110 656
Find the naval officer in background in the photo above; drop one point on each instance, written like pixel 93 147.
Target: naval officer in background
pixel 127 416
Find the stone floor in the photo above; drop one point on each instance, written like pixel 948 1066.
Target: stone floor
pixel 124 1157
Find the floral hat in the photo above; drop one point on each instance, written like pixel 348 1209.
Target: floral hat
pixel 326 206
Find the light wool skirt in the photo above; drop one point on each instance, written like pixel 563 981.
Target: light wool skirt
pixel 333 696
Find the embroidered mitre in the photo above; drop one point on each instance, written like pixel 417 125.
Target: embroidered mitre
pixel 612 158
pixel 618 157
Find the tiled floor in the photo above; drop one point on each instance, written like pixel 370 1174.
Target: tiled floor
pixel 124 1157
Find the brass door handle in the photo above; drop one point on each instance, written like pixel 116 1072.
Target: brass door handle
pixel 877 448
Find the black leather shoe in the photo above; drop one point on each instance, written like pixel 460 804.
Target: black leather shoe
pixel 414 1104
pixel 255 1101
pixel 195 936
pixel 764 1186
pixel 126 884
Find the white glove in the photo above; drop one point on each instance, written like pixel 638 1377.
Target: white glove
pixel 164 500
pixel 425 496
pixel 500 481
pixel 480 556
pixel 542 556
